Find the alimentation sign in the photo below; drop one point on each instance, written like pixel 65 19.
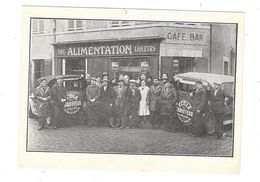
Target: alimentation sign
pixel 89 50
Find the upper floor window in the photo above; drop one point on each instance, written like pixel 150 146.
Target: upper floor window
pixel 38 26
pixel 75 25
pixel 123 23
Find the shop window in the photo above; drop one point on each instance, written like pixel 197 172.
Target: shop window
pixel 38 26
pixel 75 66
pixel 75 25
pixel 39 69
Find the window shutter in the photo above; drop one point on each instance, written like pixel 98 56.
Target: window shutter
pixel 34 26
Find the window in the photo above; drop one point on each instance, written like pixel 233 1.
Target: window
pixel 38 26
pixel 225 65
pixel 75 25
pixel 123 23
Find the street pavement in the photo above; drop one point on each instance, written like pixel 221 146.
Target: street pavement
pixel 80 138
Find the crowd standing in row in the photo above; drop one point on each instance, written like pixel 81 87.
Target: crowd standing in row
pixel 135 102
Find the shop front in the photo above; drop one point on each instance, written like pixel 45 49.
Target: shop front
pixel 122 56
pixel 185 50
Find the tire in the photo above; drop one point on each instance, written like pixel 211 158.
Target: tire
pixel 115 123
pixel 31 115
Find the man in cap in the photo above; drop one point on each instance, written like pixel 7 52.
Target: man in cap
pixel 132 104
pixel 142 76
pixel 199 108
pixel 59 96
pixel 120 100
pixel 106 99
pixel 164 78
pixel 218 100
pixel 42 96
pixel 93 105
pixel 153 101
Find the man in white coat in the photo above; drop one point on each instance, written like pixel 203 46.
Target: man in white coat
pixel 143 105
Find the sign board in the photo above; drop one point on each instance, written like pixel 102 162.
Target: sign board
pixel 107 49
pixel 115 65
pixel 72 104
pixel 198 36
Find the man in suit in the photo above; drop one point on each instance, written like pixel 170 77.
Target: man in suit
pixel 153 102
pixel 59 96
pixel 199 107
pixel 218 98
pixel 93 104
pixel 106 99
pixel 120 101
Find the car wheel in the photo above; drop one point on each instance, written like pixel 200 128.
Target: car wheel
pixel 114 122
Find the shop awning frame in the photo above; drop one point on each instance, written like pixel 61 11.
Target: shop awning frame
pixel 157 38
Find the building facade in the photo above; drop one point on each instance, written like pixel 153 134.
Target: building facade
pixel 95 46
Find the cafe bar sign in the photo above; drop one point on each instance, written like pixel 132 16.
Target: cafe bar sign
pixel 107 50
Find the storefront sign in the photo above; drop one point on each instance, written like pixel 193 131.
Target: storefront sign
pixel 73 104
pixel 187 36
pixel 115 65
pixel 184 112
pixel 107 50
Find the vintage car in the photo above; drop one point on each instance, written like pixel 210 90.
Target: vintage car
pixel 186 85
pixel 76 90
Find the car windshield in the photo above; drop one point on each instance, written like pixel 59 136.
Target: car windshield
pixel 73 84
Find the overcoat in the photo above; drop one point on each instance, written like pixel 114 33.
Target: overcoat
pixel 217 101
pixel 153 97
pixel 200 100
pixel 43 107
pixel 168 100
pixel 132 101
pixel 58 93
pixel 120 98
pixel 143 105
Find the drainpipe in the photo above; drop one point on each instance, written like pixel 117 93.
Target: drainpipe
pixel 54 41
pixel 210 49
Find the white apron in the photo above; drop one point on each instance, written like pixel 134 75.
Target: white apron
pixel 143 107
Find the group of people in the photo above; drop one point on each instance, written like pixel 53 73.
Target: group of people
pixel 134 102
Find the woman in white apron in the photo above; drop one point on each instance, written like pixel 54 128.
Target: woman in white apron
pixel 143 106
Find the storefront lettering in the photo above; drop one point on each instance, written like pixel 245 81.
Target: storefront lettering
pixel 128 49
pixel 145 48
pixel 101 50
pixel 179 36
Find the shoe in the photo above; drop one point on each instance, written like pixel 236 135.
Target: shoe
pixel 41 128
pixel 223 136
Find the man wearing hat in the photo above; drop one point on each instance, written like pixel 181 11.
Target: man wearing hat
pixel 153 102
pixel 106 99
pixel 199 108
pixel 42 96
pixel 59 96
pixel 132 104
pixel 218 98
pixel 164 78
pixel 93 104
pixel 120 101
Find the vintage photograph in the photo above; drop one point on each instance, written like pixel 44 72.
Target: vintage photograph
pixel 136 87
